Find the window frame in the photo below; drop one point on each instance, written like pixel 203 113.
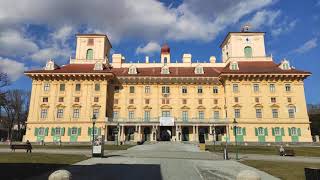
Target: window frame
pixel 43 113
pixel 147 89
pixel 76 113
pixel 46 87
pixel 201 115
pixel 74 131
pixel 258 113
pixel 235 87
pixel 185 115
pixel 184 90
pixel 62 87
pixel 60 113
pixel 78 87
pixel 262 133
pixel 97 87
pixel 237 113
pixel 275 113
pixel 130 114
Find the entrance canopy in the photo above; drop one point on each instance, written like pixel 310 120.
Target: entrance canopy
pixel 166 121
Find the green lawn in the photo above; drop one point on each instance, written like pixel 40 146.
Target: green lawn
pixel 283 170
pixel 268 150
pixel 106 147
pixel 22 165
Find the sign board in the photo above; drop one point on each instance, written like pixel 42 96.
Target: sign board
pixel 166 121
pixel 97 148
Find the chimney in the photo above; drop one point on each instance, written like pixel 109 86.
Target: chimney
pixel 186 58
pixel 212 59
pixel 116 60
pixel 147 59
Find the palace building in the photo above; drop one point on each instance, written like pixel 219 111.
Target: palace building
pixel 169 100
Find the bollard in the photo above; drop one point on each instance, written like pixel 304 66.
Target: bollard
pixel 225 154
pixel 248 175
pixel 60 175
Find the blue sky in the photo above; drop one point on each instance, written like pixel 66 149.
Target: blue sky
pixel 32 31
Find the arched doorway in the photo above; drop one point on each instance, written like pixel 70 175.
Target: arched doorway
pixel 146 134
pixel 185 134
pixel 165 133
pixel 203 134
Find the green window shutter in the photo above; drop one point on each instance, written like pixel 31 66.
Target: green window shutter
pixel 272 131
pixel 69 131
pixel 36 130
pixel 244 131
pixel 282 131
pixel 299 132
pixel 266 131
pixel 99 131
pixel 256 131
pixel 52 131
pixel 62 131
pixel 46 131
pixel 234 131
pixel 89 131
pixel 79 131
pixel 289 131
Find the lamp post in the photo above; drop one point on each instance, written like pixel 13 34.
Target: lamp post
pixel 94 118
pixel 116 133
pixel 235 136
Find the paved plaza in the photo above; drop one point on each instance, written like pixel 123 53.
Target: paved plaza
pixel 160 161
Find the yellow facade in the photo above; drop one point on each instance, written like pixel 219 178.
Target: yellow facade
pixel 169 101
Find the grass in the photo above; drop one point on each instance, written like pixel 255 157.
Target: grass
pixel 52 146
pixel 267 150
pixel 283 170
pixel 22 165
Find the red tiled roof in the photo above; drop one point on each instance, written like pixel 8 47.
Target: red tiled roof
pixel 72 68
pixel 260 67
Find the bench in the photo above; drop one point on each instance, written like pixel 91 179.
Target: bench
pixel 287 152
pixel 13 147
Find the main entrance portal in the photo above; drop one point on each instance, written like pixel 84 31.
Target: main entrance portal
pixel 165 133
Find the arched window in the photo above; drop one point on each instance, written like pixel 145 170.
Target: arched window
pixel 165 60
pixel 89 54
pixel 248 52
pixel 260 131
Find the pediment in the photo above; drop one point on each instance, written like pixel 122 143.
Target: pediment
pixel 166 107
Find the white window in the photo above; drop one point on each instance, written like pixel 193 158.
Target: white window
pixel 199 70
pixel 235 88
pixel 294 131
pixel 200 90
pixel 131 115
pixel 255 88
pixel 115 114
pixel 41 131
pixel 46 87
pixel 44 113
pixel 74 131
pixel 166 114
pixel 286 66
pixel 239 130
pixel 216 115
pixel 165 70
pixel 291 112
pixel 185 115
pixel 277 131
pixel 237 113
pixel 165 89
pixel 184 90
pixel 147 115
pixel 258 113
pixel 132 70
pixel 275 113
pixel 288 87
pixel 76 113
pixel 272 88
pixel 57 131
pixel 147 89
pixel 60 113
pixel 215 90
pixel 260 131
pixel 95 113
pixel 201 115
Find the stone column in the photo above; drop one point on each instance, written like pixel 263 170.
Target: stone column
pixel 106 134
pixel 210 134
pixel 122 135
pixel 194 133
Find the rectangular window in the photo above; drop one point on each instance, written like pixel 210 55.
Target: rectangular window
pixel 291 112
pixel 77 99
pixel 78 87
pixel 184 101
pixel 61 99
pixel 57 131
pixel 95 113
pixel 237 113
pixel 97 87
pixel 45 99
pixel 275 113
pixel 74 131
pixel 255 88
pixel 277 131
pixel 200 90
pixel 96 99
pixel 260 132
pixel 46 87
pixel 236 99
pixel 76 113
pixel 184 90
pixel 165 113
pixel 215 101
pixel 147 115
pixel 41 132
pixel 147 89
pixel 131 101
pixel 239 131
pixel 258 113
pixel 256 99
pixel 272 88
pixel 115 114
pixel 44 113
pixel 165 89
pixel 60 113
pixel 235 88
pixel 62 87
pixel 273 100
pixel 288 87
pixel 200 101
pixel 184 115
pixel 215 90
pixel 147 101
pixel 216 114
pixel 165 101
pixel 116 89
pixel 131 115
pixel 131 89
pixel 289 99
pixel 201 115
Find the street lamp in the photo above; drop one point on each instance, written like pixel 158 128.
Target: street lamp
pixel 116 133
pixel 94 118
pixel 235 136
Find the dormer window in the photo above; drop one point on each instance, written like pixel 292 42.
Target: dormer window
pixel 98 66
pixel 50 65
pixel 285 65
pixel 165 70
pixel 132 70
pixel 234 66
pixel 199 70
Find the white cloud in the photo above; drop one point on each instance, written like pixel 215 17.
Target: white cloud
pixel 12 68
pixel 51 53
pixel 12 43
pixel 149 48
pixel 307 46
pixel 264 18
pixel 283 27
pixel 62 34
